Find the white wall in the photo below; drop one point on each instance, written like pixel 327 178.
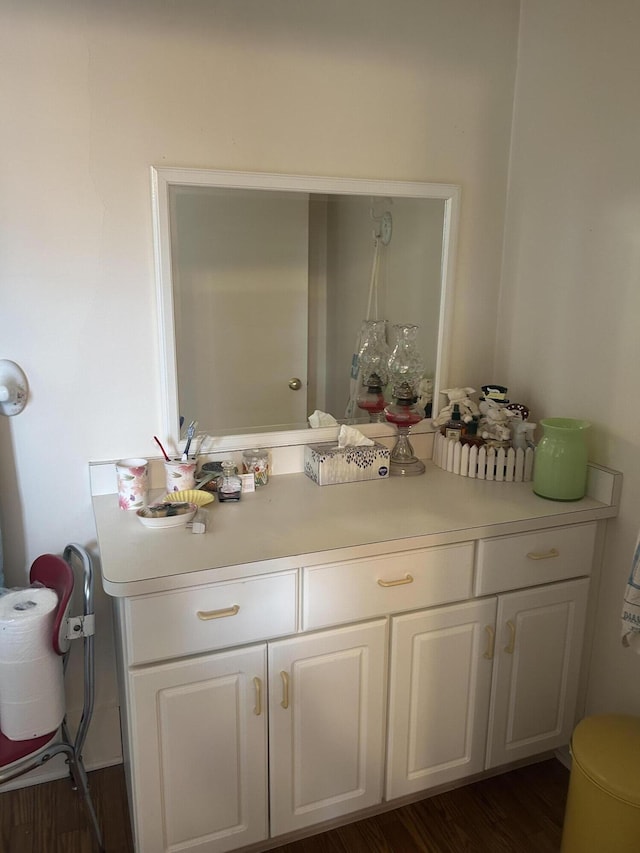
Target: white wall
pixel 93 93
pixel 569 336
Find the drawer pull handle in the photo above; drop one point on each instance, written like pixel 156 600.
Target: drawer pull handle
pixel 285 689
pixel 257 683
pixel 205 615
pixel 509 648
pixel 405 579
pixel 553 552
pixel 491 642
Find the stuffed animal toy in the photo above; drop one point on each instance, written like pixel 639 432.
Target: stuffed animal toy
pixel 522 433
pixel 495 421
pixel 467 407
pixel 425 395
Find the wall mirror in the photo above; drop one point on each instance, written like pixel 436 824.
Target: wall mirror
pixel 264 281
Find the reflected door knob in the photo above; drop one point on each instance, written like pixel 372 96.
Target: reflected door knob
pixel 295 384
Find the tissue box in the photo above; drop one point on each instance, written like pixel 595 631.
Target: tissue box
pixel 327 464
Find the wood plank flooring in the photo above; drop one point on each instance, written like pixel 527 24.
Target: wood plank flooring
pixel 518 812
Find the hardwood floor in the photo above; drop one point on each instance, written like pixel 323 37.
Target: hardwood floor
pixel 518 812
pixel 51 818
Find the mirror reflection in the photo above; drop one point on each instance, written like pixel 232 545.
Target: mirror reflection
pixel 264 292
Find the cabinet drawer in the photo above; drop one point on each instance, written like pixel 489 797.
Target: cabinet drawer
pixel 528 559
pixel 184 622
pixel 358 589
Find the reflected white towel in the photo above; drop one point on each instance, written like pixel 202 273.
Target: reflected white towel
pixel 631 605
pixel 321 419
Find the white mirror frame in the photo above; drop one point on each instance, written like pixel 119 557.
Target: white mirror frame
pixel 163 178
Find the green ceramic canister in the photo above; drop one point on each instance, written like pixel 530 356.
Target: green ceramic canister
pixel 560 467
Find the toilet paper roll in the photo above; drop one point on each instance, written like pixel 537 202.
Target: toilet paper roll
pixel 32 701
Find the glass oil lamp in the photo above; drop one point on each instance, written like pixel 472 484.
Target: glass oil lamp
pixel 373 370
pixel 405 368
pixel 371 398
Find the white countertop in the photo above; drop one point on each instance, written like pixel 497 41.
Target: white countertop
pixel 292 522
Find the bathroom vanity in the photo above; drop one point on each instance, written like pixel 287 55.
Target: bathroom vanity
pixel 324 652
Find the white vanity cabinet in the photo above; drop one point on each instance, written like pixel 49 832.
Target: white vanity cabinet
pixel 539 635
pixel 535 671
pixel 440 680
pixel 358 589
pixel 326 724
pixel 480 684
pixel 355 655
pixel 198 752
pixel 199 739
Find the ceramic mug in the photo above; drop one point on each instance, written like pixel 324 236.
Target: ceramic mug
pixel 180 475
pixel 133 483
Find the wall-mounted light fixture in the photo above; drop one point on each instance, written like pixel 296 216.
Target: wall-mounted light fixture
pixel 14 388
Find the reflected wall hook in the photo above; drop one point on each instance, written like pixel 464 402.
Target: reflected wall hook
pixel 14 388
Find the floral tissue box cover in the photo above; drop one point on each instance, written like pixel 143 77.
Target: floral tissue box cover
pixel 328 464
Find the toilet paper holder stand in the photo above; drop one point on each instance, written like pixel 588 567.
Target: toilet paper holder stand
pixel 19 757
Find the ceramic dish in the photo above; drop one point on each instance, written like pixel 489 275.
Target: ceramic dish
pixel 192 496
pixel 174 514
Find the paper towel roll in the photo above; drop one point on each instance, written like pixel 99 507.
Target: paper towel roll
pixel 32 699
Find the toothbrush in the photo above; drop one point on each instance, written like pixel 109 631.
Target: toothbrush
pixel 191 431
pixel 164 452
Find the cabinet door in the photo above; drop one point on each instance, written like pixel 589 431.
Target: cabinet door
pixel 439 695
pixel 199 754
pixel 326 724
pixel 536 667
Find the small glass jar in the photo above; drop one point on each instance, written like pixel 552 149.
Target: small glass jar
pixel 207 478
pixel 256 462
pixel 229 483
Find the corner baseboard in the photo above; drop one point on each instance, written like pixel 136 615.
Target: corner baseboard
pixel 563 754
